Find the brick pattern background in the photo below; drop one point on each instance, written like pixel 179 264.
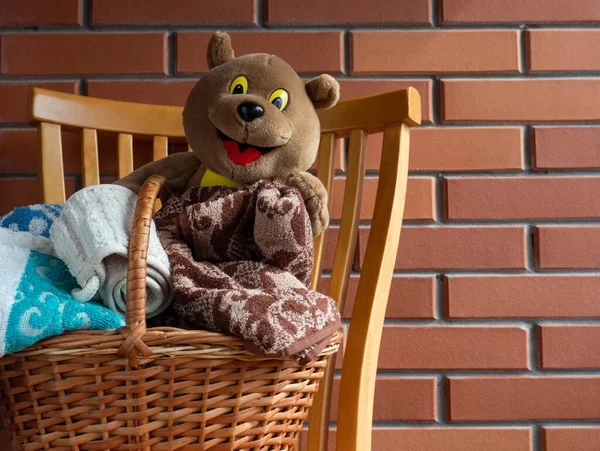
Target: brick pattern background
pixel 492 330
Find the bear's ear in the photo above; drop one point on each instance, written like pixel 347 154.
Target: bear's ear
pixel 324 91
pixel 219 49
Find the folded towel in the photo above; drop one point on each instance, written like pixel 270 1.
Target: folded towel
pixel 35 219
pixel 242 259
pixel 34 295
pixel 91 236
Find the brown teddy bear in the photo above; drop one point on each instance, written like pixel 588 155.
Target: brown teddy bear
pixel 249 118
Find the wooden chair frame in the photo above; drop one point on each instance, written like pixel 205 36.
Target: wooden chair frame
pixel 391 113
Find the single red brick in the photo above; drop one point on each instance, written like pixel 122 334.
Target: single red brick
pixel 466 149
pixel 520 11
pixel 522 197
pixel 458 247
pixel 566 147
pixel 537 296
pixel 202 12
pixel 512 398
pixel 15 97
pixel 353 88
pixel 458 149
pixel 25 192
pixel 570 346
pixel 410 297
pixel 420 198
pixel 21 13
pixel 309 52
pixel 159 92
pixel 447 439
pixel 453 347
pixel 383 52
pixel 559 50
pixel 352 11
pixel 568 246
pixel 540 99
pixel 570 438
pixel 84 54
pixel 397 399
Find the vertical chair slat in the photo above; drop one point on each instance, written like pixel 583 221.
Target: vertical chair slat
pixel 52 175
pixel 344 254
pixel 160 148
pixel 125 149
pixel 325 173
pixel 89 157
pixel 355 413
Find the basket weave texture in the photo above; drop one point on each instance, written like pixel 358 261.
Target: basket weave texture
pixel 154 389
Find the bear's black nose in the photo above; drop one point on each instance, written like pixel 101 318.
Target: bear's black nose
pixel 250 111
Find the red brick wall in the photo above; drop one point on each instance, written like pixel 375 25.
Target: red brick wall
pixel 492 340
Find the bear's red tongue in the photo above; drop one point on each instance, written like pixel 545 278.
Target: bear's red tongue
pixel 240 158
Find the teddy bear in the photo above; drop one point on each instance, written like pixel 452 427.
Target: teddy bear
pixel 249 118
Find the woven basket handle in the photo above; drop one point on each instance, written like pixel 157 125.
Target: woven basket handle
pixel 135 316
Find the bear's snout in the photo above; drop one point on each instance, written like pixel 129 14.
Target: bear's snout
pixel 250 119
pixel 250 111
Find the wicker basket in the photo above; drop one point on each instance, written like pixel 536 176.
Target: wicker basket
pixel 154 389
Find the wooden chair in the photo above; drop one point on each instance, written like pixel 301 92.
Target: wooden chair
pixel 392 112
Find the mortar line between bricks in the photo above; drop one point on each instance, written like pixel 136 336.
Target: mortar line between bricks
pixel 498 272
pixel 171 55
pixel 525 424
pixel 530 260
pixel 441 400
pixel 488 272
pixel 440 300
pixel 436 101
pixel 436 18
pixel 479 373
pixel 523 54
pixel 497 223
pixel 463 223
pixel 536 438
pixel 527 160
pixel 413 76
pixel 534 350
pixel 440 199
pixel 346 53
pixel 513 173
pixel 521 322
pixel 86 14
pixel 312 27
pixel 259 12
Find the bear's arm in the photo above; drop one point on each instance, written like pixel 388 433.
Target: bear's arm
pixel 178 169
pixel 315 198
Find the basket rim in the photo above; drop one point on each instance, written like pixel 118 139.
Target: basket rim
pixel 162 341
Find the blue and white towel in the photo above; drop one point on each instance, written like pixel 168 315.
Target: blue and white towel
pixel 35 299
pixel 35 219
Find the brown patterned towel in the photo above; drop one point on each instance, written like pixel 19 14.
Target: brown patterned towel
pixel 241 261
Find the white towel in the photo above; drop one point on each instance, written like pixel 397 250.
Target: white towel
pixel 91 236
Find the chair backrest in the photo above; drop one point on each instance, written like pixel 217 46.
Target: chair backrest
pixel 391 113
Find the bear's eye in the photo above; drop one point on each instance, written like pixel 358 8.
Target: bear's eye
pixel 279 98
pixel 239 85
